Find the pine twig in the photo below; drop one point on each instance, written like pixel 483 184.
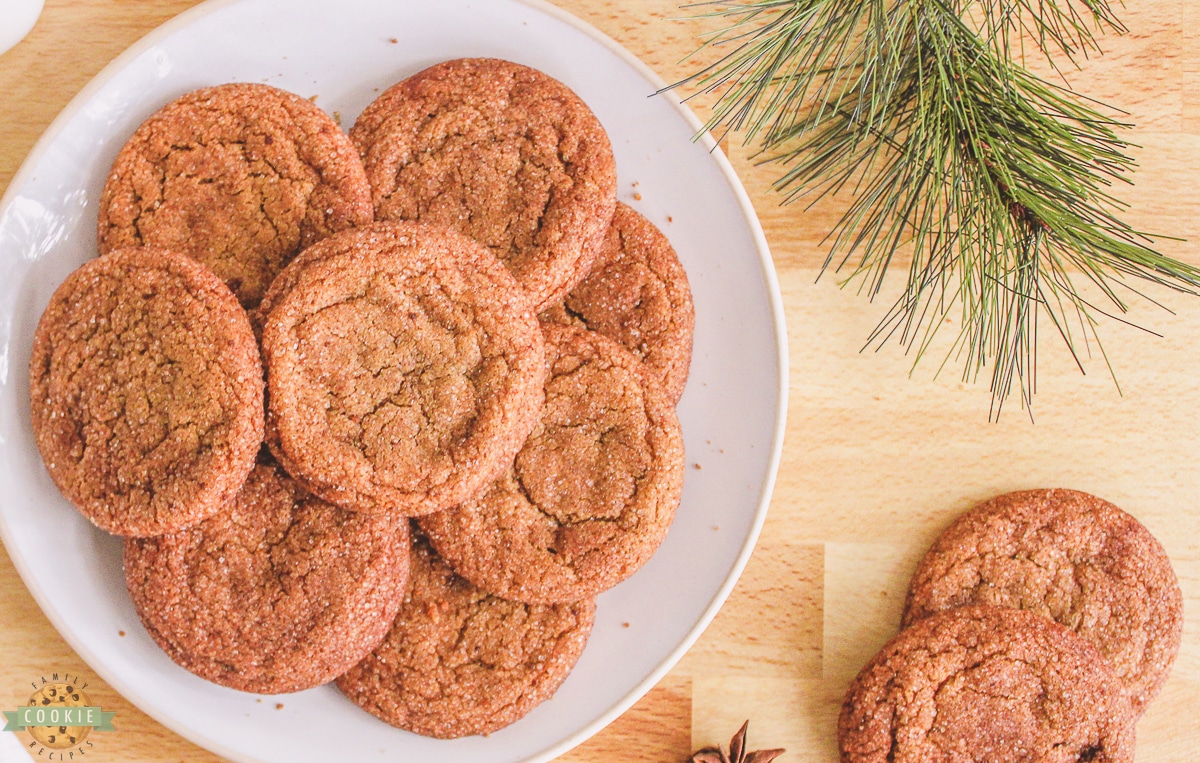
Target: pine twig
pixel 997 182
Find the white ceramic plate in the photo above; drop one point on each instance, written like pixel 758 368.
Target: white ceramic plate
pixel 344 53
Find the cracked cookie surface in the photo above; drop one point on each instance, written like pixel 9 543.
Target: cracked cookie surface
pixel 240 176
pixel 991 684
pixel 459 661
pixel 146 391
pixel 1069 556
pixel 502 152
pixel 405 368
pixel 592 492
pixel 277 593
pixel 637 293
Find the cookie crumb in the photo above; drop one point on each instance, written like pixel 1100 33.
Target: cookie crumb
pixel 637 196
pixel 121 634
pixel 624 625
pixel 278 705
pixel 337 118
pixel 696 467
pixel 393 41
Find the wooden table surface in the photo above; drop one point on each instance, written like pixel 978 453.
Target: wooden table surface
pixel 876 460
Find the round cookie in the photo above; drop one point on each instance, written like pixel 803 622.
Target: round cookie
pixel 592 492
pixel 240 176
pixel 279 593
pixel 459 661
pixel 986 684
pixel 404 366
pixel 59 737
pixel 146 391
pixel 1069 556
pixel 637 293
pixel 502 152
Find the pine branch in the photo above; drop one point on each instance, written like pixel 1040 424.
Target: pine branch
pixel 1068 27
pixel 997 182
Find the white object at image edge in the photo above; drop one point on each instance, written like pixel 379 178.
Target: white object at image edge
pixel 17 17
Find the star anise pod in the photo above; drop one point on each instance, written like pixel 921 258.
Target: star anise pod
pixel 737 752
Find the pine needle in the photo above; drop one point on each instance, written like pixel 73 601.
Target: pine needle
pixel 997 182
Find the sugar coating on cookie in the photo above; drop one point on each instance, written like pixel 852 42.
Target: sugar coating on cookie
pixel 1069 556
pixel 404 368
pixel 459 661
pixel 502 152
pixel 983 683
pixel 638 294
pixel 240 176
pixel 278 593
pixel 592 492
pixel 146 391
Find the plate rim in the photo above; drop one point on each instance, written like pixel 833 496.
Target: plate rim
pixel 778 323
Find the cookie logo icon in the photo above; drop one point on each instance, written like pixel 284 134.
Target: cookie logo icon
pixel 60 717
pixel 59 696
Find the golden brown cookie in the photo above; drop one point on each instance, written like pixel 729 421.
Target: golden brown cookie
pixel 637 293
pixel 279 593
pixel 986 684
pixel 405 368
pixel 59 737
pixel 502 152
pixel 241 177
pixel 459 661
pixel 591 494
pixel 1069 556
pixel 146 391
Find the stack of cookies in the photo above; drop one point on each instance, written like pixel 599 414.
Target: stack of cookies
pixel 1038 627
pixel 389 408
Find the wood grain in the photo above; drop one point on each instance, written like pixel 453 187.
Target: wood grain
pixel 878 457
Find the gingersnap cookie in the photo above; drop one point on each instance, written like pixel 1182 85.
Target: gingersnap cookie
pixel 459 661
pixel 280 592
pixel 592 492
pixel 982 683
pixel 502 152
pixel 637 293
pixel 1069 556
pixel 146 391
pixel 404 365
pixel 240 176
